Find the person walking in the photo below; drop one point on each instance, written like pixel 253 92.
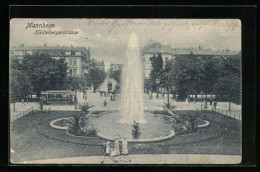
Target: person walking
pixel 215 105
pixel 206 104
pixel 116 147
pixel 105 103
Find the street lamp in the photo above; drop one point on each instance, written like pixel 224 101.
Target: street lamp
pixel 168 96
pixel 157 82
pixel 201 98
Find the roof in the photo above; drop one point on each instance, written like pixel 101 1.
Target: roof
pixel 103 86
pixel 155 47
pixel 57 91
pixel 97 63
pixel 185 51
pixel 57 48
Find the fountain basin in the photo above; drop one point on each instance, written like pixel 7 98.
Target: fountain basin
pixel 109 127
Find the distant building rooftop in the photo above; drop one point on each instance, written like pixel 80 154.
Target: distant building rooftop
pixel 155 47
pixel 200 51
pixel 50 48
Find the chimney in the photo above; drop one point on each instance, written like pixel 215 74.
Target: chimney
pixel 45 45
pixel 57 45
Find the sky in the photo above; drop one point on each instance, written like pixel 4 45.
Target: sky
pixel 108 38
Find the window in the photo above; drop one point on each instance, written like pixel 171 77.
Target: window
pixel 72 52
pixel 109 85
pixel 73 72
pixel 166 58
pixel 74 62
pixel 70 62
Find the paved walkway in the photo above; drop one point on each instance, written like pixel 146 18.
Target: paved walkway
pixel 144 159
pixel 21 109
pixel 97 101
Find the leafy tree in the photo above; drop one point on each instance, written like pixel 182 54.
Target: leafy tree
pixel 116 75
pixel 45 73
pixel 227 86
pixel 95 77
pixel 191 74
pixel 187 73
pixel 20 86
pixel 76 83
pixel 157 66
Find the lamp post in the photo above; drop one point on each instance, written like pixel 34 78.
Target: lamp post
pixel 168 96
pixel 201 98
pixel 157 82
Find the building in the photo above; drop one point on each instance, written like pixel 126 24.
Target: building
pixel 200 51
pixel 167 53
pixel 97 64
pixel 151 49
pixel 109 87
pixel 77 58
pixel 115 67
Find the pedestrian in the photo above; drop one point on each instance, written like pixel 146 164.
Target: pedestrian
pixel 107 148
pixel 116 147
pixel 206 104
pixel 105 103
pixel 124 147
pixel 215 104
pixel 22 101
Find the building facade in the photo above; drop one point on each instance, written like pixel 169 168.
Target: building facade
pixel 114 67
pixel 200 51
pixel 167 53
pixel 77 58
pixel 97 64
pixel 151 49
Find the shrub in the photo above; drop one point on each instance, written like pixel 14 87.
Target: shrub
pixel 85 108
pixel 76 124
pixel 91 132
pixel 141 146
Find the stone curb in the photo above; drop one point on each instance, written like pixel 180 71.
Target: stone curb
pixel 204 125
pixel 58 127
pixel 140 140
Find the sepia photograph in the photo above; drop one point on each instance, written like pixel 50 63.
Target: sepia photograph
pixel 125 91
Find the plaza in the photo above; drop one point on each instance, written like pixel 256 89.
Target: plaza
pixel 33 139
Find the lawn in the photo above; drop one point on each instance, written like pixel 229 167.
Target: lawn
pixel 32 138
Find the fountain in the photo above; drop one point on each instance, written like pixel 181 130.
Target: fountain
pixel 132 85
pixel 153 126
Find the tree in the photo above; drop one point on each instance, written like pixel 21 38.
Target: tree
pixel 116 75
pixel 76 84
pixel 227 86
pixel 187 74
pixel 45 73
pixel 157 66
pixel 95 77
pixel 20 86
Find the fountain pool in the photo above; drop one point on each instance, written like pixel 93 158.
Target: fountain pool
pixel 109 125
